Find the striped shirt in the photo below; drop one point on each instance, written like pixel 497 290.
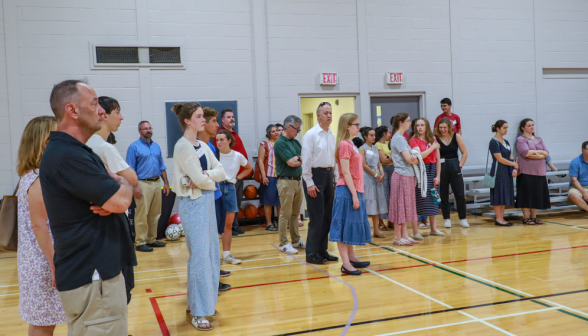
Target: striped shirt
pixel 270 169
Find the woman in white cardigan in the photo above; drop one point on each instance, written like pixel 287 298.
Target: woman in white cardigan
pixel 196 170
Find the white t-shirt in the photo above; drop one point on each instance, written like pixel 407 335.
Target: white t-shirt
pixel 231 163
pixel 108 153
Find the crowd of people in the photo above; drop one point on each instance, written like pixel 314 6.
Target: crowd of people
pixel 75 262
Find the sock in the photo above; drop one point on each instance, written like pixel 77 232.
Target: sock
pixel 226 253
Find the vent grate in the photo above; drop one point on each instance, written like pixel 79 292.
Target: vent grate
pixel 125 55
pixel 165 55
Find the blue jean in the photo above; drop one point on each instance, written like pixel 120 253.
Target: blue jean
pixel 423 218
pixel 229 197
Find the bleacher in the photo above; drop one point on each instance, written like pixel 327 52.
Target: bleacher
pixel 478 197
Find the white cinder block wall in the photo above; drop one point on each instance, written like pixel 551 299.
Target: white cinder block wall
pixel 487 56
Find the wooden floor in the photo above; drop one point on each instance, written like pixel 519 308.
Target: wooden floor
pixel 484 280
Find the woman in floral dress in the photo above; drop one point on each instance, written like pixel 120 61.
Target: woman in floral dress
pixel 39 304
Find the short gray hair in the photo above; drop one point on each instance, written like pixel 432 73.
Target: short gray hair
pixel 318 109
pixel 292 120
pixel 62 94
pixel 142 122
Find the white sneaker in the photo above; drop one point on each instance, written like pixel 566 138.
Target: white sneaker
pixel 288 249
pixel 424 226
pixel 464 223
pixel 417 236
pixel 231 260
pixel 300 244
pixel 437 233
pixel 447 223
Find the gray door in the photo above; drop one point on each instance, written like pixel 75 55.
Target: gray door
pixel 388 107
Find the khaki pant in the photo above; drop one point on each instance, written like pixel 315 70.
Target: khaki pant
pixel 291 197
pixel 148 212
pixel 98 308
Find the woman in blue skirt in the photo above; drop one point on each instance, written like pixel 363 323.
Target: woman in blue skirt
pixel 196 170
pixel 268 190
pixel 504 168
pixel 350 225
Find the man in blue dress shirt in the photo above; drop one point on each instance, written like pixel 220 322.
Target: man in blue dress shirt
pixel 144 157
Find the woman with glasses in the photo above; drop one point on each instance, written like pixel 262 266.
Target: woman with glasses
pixel 402 211
pixel 268 189
pixel 350 225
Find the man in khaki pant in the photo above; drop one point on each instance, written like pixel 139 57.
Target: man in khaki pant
pixel 287 151
pixel 144 156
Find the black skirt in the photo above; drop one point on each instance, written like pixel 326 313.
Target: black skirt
pixel 532 192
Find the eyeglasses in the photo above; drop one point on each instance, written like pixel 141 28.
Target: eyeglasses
pixel 356 124
pixel 297 129
pixel 146 129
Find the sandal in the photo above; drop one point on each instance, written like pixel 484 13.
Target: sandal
pixel 537 221
pixel 196 323
pixel 379 235
pixel 188 311
pixel 402 242
pixel 529 221
pixel 271 228
pixel 382 226
pixel 390 225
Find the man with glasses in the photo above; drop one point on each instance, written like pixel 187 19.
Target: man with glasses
pixel 318 171
pixel 144 157
pixel 228 120
pixel 288 163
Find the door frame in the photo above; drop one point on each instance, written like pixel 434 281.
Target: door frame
pixel 420 94
pixel 328 94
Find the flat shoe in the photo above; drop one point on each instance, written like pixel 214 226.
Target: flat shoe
pixel 380 235
pixel 361 264
pixel 500 224
pixel 345 271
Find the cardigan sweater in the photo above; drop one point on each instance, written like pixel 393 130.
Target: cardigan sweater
pixel 187 163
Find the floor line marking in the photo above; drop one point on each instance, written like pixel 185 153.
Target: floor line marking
pixel 494 283
pixel 353 293
pixel 466 322
pixel 10 294
pixel 578 227
pixel 439 302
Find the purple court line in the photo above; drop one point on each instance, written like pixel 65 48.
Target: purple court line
pixel 355 301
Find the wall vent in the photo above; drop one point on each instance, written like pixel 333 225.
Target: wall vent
pixel 160 55
pixel 135 57
pixel 124 55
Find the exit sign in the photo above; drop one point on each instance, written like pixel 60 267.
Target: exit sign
pixel 394 78
pixel 329 78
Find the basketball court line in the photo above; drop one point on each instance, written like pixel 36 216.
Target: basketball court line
pixel 495 285
pixel 439 312
pixel 579 227
pixel 475 319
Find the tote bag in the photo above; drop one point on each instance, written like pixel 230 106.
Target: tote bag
pixel 489 180
pixel 9 221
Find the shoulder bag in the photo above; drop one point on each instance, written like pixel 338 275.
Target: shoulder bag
pixel 257 174
pixel 489 180
pixel 9 221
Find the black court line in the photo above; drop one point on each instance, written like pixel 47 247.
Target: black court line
pixel 434 312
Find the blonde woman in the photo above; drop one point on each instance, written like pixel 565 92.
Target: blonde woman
pixel 39 302
pixel 350 225
pixel 196 170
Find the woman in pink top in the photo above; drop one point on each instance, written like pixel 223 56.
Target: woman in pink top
pixel 350 225
pixel 532 188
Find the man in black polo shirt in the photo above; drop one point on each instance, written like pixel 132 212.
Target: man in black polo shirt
pixel 85 204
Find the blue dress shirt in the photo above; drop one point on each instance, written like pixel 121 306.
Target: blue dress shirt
pixel 145 158
pixel 217 193
pixel 579 170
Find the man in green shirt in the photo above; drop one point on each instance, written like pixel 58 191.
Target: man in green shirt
pixel 288 163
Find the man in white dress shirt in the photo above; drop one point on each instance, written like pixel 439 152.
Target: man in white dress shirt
pixel 319 174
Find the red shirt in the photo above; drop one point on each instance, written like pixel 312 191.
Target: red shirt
pixel 454 119
pixel 348 151
pixel 423 146
pixel 238 144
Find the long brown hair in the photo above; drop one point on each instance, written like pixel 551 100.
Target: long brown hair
pixel 343 133
pixel 185 111
pixel 395 122
pixel 33 142
pixel 428 133
pixel 449 124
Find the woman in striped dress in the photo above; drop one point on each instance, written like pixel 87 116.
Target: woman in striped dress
pixel 424 141
pixel 268 190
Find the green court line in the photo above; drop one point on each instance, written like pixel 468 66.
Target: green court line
pixel 574 226
pixel 8 257
pixel 481 282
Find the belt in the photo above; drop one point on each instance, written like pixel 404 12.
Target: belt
pixel 324 168
pixel 153 179
pixel 451 159
pixel 289 178
pixel 227 182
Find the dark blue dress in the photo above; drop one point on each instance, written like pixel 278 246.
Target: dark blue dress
pixel 503 191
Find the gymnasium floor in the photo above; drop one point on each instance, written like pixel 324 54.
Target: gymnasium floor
pixel 484 280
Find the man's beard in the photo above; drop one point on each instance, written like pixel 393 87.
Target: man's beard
pixel 148 135
pixel 232 124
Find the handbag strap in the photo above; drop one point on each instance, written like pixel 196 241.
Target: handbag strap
pixel 496 167
pixel 16 189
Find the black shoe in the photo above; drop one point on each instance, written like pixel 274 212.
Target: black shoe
pixel 239 230
pixel 225 273
pixel 223 287
pixel 315 259
pixel 157 244
pixel 144 248
pixel 500 224
pixel 361 264
pixel 329 257
pixel 345 271
pixel 235 233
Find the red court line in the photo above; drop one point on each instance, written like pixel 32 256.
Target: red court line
pixel 148 290
pixel 165 331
